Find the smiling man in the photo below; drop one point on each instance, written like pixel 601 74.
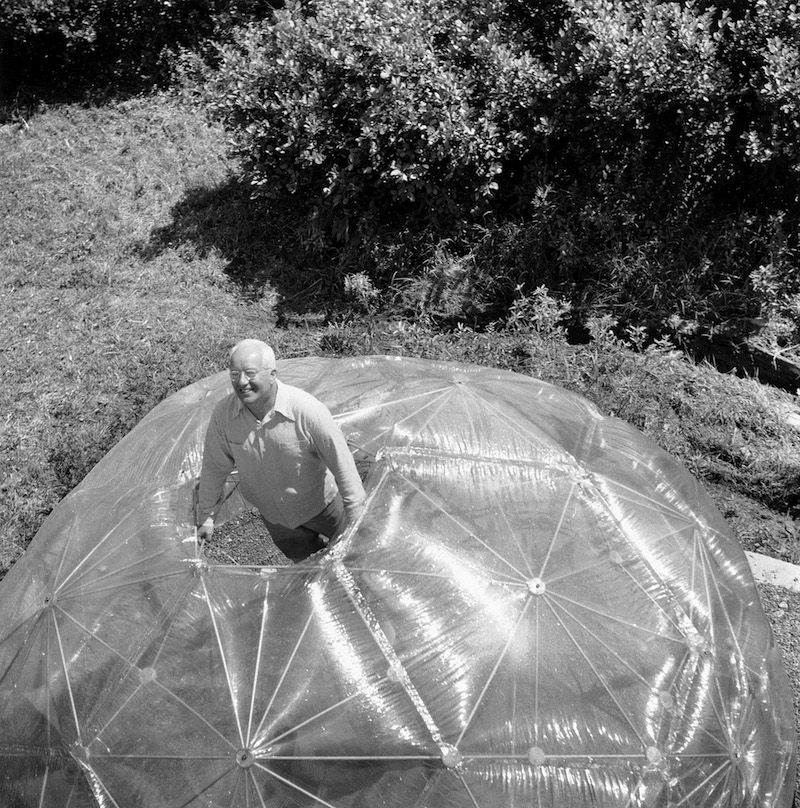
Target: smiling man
pixel 293 460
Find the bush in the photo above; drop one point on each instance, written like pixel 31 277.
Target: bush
pixel 372 108
pixel 670 158
pixel 637 158
pixel 631 155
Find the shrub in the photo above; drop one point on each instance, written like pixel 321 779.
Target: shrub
pixel 633 155
pixel 372 107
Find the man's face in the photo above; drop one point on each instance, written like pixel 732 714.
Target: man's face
pixel 252 382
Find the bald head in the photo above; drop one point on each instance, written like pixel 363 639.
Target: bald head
pixel 253 352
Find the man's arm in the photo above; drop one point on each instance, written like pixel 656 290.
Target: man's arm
pixel 217 465
pixel 332 446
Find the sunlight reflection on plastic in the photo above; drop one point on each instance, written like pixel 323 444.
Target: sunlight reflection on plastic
pixel 539 608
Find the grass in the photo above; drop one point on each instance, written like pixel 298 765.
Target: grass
pixel 131 261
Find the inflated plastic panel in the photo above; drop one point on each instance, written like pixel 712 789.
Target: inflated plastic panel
pixel 539 608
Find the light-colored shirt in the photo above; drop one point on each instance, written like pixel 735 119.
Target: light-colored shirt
pixel 290 464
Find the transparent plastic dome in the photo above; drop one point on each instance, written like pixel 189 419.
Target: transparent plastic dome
pixel 538 608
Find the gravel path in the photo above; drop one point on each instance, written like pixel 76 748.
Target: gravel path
pixel 783 610
pixel 245 541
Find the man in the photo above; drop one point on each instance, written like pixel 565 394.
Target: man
pixel 293 460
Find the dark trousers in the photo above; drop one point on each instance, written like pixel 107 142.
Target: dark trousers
pixel 304 540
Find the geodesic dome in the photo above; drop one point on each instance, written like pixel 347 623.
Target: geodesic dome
pixel 538 608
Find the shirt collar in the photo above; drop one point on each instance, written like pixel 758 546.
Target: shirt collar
pixel 282 404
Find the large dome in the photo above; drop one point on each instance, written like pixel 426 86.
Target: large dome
pixel 538 608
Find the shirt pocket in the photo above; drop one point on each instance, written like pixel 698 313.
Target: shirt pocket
pixel 294 450
pixel 298 465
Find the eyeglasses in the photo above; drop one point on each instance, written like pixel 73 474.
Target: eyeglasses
pixel 250 374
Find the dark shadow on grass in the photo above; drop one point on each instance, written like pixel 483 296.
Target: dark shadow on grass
pixel 266 256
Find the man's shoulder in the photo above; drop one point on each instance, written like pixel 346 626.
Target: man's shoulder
pixel 226 408
pixel 301 402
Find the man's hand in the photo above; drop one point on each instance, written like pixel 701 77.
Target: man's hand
pixel 205 531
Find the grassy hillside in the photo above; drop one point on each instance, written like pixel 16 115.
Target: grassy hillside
pixel 131 261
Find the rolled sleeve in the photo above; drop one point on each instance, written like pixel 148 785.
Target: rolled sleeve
pixel 218 463
pixel 335 453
